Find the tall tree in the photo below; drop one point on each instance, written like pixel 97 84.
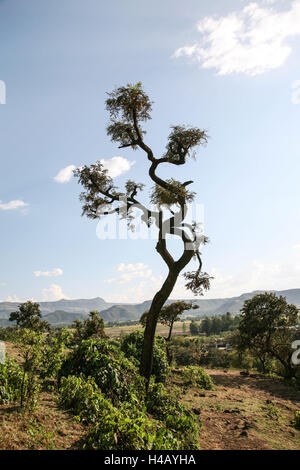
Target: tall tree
pixel 267 328
pixel 129 107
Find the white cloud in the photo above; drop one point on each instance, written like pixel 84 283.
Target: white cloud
pixel 127 277
pixel 250 41
pixel 116 166
pixel 54 272
pixel 12 205
pixel 130 272
pixel 143 290
pixel 256 275
pixel 131 267
pixel 54 292
pixel 65 175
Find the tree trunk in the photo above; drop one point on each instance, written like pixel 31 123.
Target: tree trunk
pixel 170 332
pixel 157 303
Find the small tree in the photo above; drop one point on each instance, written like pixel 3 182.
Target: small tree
pixel 129 107
pixel 169 314
pixel 29 316
pixel 92 327
pixel 30 344
pixel 267 329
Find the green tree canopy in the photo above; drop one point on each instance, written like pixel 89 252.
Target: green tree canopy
pixel 29 316
pixel 267 328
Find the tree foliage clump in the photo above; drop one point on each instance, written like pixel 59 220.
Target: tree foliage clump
pixel 29 316
pixel 91 327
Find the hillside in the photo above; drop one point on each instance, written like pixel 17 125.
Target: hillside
pixel 64 312
pixel 252 412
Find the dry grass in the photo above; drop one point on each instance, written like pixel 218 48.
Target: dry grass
pixel 47 428
pixel 117 331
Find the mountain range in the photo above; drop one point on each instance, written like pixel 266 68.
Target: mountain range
pixel 64 312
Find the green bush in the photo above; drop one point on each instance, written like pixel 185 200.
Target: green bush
pixel 177 418
pixel 129 428
pixel 10 382
pixel 196 376
pixel 54 349
pixel 113 373
pixel 132 344
pixel 83 397
pixel 124 428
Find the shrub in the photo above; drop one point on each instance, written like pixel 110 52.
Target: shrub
pixel 126 428
pixel 91 327
pixel 132 344
pixel 10 382
pixel 83 397
pixel 54 352
pixel 30 344
pixel 129 428
pixel 196 376
pixel 177 418
pixel 115 375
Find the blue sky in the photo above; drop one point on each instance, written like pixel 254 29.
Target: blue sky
pixel 231 67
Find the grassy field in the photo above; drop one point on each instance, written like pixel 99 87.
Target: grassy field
pixel 117 331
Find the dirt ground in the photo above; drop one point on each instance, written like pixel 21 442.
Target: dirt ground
pixel 252 412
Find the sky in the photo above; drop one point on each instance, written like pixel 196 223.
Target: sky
pixel 231 67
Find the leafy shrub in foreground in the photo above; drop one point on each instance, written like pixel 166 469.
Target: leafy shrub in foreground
pixel 83 397
pixel 196 376
pixel 115 375
pixel 124 428
pixel 177 418
pixel 129 428
pixel 132 345
pixel 10 382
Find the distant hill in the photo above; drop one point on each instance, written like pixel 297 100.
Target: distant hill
pixel 64 312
